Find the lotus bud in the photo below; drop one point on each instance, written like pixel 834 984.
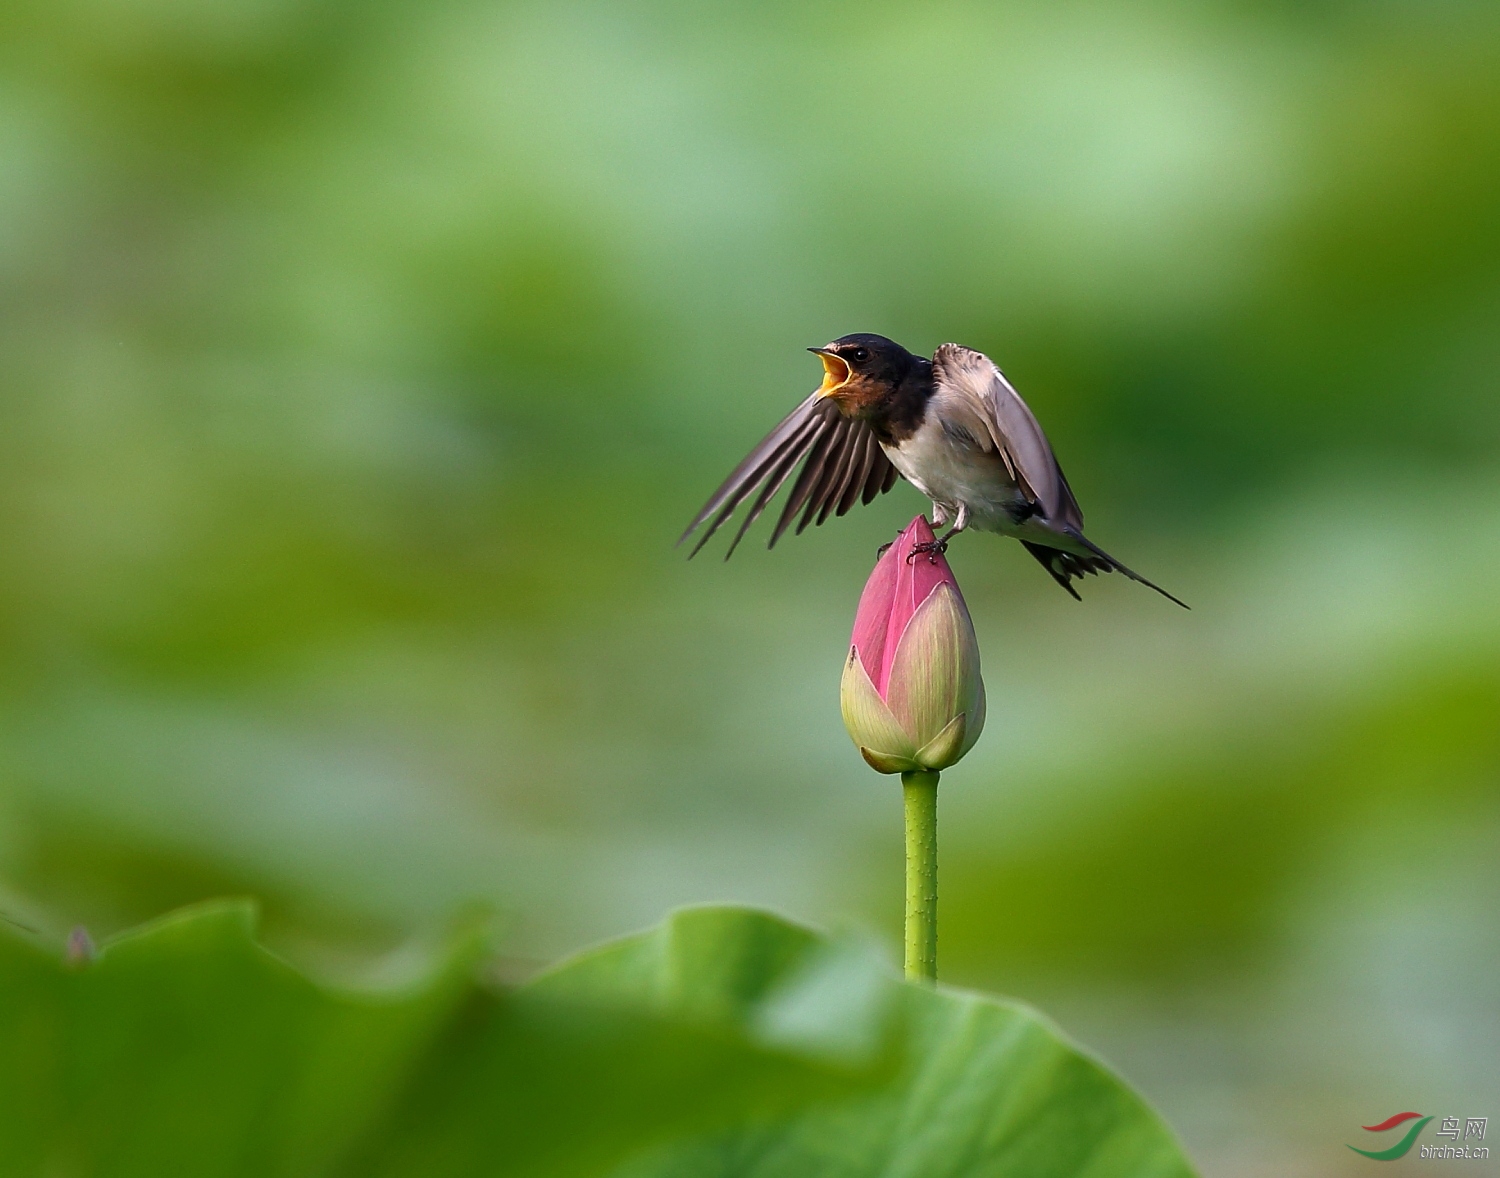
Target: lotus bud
pixel 911 694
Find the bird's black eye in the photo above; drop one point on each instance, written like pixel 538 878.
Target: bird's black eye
pixel 860 355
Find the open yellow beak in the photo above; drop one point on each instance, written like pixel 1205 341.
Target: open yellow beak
pixel 835 371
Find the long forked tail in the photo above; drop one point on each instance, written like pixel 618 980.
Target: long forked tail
pixel 1064 567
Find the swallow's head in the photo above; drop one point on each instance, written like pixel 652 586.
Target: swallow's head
pixel 859 369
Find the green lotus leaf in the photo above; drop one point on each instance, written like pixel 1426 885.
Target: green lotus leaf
pixel 725 1042
pixel 988 1088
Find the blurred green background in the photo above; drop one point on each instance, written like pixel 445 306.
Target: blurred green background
pixel 361 363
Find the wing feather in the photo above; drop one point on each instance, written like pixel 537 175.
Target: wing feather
pixel 812 472
pixel 978 390
pixel 859 471
pixel 835 489
pixel 830 468
pixel 875 477
pixel 841 459
pixel 774 478
pixel 754 461
pixel 793 444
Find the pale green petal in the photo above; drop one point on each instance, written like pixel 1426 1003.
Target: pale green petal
pixel 868 720
pixel 882 763
pixel 946 747
pixel 935 673
pixel 974 724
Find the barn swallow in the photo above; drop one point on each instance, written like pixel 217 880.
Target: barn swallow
pixel 951 426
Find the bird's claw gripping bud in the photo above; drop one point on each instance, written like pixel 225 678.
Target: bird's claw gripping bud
pixel 911 693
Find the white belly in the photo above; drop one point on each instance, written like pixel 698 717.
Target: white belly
pixel 951 473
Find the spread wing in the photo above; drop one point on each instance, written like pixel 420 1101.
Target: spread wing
pixel 977 398
pixel 976 394
pixel 842 463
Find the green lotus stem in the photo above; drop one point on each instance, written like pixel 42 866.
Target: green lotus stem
pixel 920 790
